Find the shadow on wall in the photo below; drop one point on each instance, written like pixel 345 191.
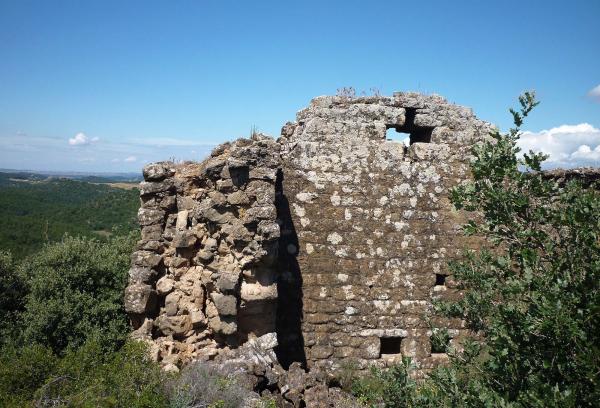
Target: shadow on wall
pixel 289 286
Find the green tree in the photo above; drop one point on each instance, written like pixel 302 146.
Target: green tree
pixel 75 292
pixel 533 296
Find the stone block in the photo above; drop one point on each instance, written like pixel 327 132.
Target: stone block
pixel 184 239
pixel 150 216
pixel 164 285
pixel 226 304
pixel 174 325
pixel 139 299
pixel 158 171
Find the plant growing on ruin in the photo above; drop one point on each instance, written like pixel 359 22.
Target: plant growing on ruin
pixel 346 92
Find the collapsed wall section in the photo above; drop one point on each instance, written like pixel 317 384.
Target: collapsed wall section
pixel 203 278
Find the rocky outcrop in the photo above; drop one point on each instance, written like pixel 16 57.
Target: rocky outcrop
pixel 323 246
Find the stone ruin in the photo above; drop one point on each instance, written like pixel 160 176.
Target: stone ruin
pixel 324 246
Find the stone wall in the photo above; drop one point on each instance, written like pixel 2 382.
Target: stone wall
pixel 203 277
pixel 327 245
pixel 374 226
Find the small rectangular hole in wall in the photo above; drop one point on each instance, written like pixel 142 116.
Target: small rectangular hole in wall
pixel 440 280
pixel 390 345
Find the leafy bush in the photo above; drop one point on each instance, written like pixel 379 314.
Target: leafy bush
pixel 73 330
pixel 86 377
pixel 22 371
pixel 440 339
pixel 12 292
pixel 535 299
pixel 394 387
pixel 76 292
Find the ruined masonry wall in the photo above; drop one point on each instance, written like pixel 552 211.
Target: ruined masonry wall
pixel 202 278
pixel 332 238
pixel 374 224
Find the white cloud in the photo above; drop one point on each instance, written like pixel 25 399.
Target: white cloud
pixel 594 93
pixel 26 150
pixel 567 145
pixel 82 139
pixel 130 159
pixel 586 153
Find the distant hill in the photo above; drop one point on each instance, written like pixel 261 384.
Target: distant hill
pixel 82 176
pixel 37 208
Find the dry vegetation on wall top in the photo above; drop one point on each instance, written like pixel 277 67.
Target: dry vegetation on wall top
pixel 327 245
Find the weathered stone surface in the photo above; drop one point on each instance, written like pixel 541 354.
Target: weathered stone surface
pixel 226 304
pixel 150 216
pixel 154 187
pixel 139 299
pixel 172 303
pixel 269 230
pixel 140 274
pixel 152 232
pixel 174 325
pixel 238 198
pixel 223 325
pixel 227 282
pixel 255 291
pixel 182 220
pixel 256 214
pixel 164 285
pixel 205 256
pixel 158 171
pixel 184 239
pixel 145 259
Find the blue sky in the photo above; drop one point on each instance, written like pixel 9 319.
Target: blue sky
pixel 108 86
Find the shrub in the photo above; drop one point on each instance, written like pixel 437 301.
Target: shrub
pixel 201 384
pixel 12 293
pixel 535 298
pixel 87 377
pixel 76 292
pixel 22 371
pixel 440 339
pixel 393 387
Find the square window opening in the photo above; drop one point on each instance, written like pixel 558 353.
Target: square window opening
pixel 440 280
pixel 390 345
pixel 416 134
